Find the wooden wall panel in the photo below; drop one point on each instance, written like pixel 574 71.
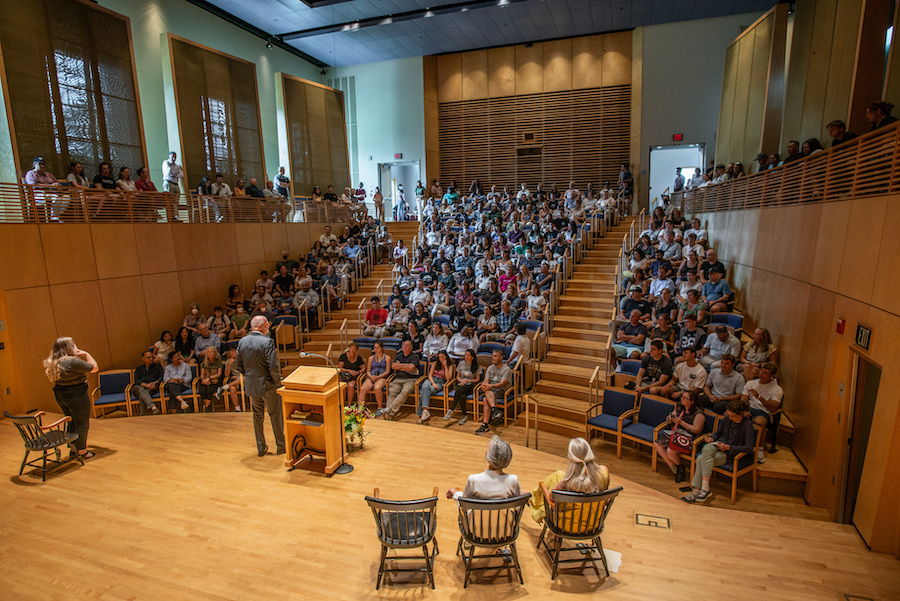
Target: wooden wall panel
pixel 69 253
pixel 163 302
pixel 249 275
pixel 819 66
pixel 248 239
pixel 125 312
pixel 474 69
pixel 198 286
pixel 587 64
pixel 556 91
pixel 529 69
pixel 557 66
pixel 274 237
pixel 78 312
pixel 449 78
pixel 616 61
pixel 22 263
pixel 124 261
pixel 299 240
pixel 155 247
pixel 220 246
pixel 798 292
pixel 843 43
pixel 501 72
pixel 32 333
pixel 191 250
pixel 751 105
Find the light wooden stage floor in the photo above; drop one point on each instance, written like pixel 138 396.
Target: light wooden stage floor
pixel 180 508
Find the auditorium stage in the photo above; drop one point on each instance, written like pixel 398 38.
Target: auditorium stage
pixel 180 507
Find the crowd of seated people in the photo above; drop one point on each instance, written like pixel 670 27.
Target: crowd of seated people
pixel 206 343
pixel 666 324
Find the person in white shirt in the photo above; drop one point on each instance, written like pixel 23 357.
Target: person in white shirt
pixel 172 173
pixel 420 295
pixel 219 187
pixel 692 245
pixel 460 342
pixel 433 238
pixel 697 230
pixel 688 375
pixel 491 483
pixel 524 194
pixel 696 179
pixel 717 346
pixel 327 237
pixel 764 396
pixel 521 347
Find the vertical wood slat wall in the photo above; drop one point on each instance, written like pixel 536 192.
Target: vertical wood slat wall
pixel 218 114
pixel 74 96
pixel 578 135
pixel 317 135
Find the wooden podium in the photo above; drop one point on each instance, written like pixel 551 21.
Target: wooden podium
pixel 318 391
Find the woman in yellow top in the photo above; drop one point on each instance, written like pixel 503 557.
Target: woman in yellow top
pixel 583 475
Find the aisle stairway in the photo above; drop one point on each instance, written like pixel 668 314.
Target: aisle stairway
pixel 331 333
pixel 577 343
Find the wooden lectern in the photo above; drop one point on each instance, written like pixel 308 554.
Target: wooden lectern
pixel 319 392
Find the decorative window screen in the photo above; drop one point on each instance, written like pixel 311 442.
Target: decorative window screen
pixel 218 115
pixel 317 136
pixel 554 137
pixel 72 94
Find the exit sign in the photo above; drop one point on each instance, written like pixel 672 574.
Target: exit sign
pixel 863 336
pixel 398 155
pixel 677 137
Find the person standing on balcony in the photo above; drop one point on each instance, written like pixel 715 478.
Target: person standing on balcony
pixel 679 181
pixel 172 173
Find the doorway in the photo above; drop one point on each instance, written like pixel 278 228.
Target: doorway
pixel 392 175
pixel 862 408
pixel 663 162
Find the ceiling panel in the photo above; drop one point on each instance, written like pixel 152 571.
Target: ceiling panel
pixel 478 27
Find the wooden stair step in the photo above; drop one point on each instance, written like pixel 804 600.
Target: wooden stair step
pixel 595 336
pixel 580 321
pixel 563 389
pixel 550 405
pixel 585 312
pixel 566 373
pixel 572 359
pixel 578 347
pixel 556 425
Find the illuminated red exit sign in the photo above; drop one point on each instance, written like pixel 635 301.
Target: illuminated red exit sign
pixel 677 137
pixel 398 155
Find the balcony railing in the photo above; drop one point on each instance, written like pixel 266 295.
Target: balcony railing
pixel 21 203
pixel 865 166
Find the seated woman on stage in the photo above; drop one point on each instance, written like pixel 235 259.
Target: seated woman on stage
pixel 231 382
pixel 377 371
pixel 583 475
pixel 492 483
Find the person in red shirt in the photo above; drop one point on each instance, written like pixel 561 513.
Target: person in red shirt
pixel 143 183
pixel 376 317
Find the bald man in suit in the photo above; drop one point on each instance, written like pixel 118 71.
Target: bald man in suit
pixel 257 361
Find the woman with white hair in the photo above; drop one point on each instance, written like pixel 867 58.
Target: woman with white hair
pixel 492 483
pixel 583 475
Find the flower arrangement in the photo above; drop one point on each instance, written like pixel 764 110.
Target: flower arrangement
pixel 355 417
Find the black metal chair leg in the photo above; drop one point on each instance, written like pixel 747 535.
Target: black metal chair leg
pixel 24 463
pixel 515 555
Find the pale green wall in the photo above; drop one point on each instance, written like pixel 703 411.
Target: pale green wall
pixel 390 115
pixel 151 21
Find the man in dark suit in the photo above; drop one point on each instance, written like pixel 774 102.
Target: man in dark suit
pixel 257 361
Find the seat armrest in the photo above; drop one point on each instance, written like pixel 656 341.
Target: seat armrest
pixel 547 497
pixel 62 420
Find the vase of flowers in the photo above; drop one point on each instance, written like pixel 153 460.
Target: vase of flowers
pixel 355 417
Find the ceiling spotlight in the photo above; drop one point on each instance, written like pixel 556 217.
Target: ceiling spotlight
pixel 528 44
pixel 324 71
pixel 269 44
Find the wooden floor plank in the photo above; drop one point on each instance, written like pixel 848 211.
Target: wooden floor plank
pixel 180 507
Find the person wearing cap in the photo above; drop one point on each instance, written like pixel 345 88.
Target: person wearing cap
pixel 837 129
pixel 172 173
pixel 716 292
pixel 38 176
